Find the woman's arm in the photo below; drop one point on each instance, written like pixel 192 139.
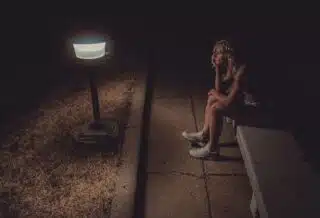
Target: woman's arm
pixel 227 99
pixel 217 80
pixel 230 68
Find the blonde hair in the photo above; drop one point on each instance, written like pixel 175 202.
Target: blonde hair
pixel 223 47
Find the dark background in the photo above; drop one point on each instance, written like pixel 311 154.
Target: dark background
pixel 280 50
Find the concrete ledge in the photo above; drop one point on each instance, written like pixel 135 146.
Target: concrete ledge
pixel 283 183
pixel 123 202
pixel 253 207
pixel 250 171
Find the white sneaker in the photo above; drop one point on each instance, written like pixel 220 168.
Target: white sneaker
pixel 228 120
pixel 193 137
pixel 199 144
pixel 202 152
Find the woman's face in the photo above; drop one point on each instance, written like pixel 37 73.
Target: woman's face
pixel 217 58
pixel 217 55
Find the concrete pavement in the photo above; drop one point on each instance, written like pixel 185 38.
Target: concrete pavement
pixel 180 186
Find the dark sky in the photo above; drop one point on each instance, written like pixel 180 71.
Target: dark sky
pixel 271 44
pixel 252 32
pixel 281 50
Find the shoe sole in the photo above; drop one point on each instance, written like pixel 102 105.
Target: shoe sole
pixel 194 143
pixel 210 156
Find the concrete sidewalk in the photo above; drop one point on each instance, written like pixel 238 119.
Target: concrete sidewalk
pixel 177 185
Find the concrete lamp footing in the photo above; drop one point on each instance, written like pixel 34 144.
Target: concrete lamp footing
pixel 102 133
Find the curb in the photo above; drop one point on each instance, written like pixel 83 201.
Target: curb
pixel 123 202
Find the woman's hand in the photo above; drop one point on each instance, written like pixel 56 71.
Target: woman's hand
pixel 212 61
pixel 223 99
pixel 213 93
pixel 230 63
pixel 229 68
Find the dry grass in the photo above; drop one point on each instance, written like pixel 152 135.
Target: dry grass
pixel 40 176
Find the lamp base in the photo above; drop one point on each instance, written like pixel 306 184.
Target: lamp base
pixel 102 133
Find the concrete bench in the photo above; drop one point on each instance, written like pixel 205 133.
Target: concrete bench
pixel 284 185
pixel 249 100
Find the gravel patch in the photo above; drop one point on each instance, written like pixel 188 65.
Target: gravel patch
pixel 41 175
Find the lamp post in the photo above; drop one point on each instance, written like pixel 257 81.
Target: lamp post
pixel 91 50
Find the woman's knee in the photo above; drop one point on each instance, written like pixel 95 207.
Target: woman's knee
pixel 211 100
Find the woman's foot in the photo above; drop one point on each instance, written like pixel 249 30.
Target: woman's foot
pixel 203 152
pixel 194 137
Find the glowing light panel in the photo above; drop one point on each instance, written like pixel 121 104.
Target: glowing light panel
pixel 90 51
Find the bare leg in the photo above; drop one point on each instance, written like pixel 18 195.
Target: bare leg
pixel 207 119
pixel 207 115
pixel 215 126
pixel 203 134
pixel 215 129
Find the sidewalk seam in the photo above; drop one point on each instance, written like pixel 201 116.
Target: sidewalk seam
pixel 226 174
pixel 205 178
pixel 176 173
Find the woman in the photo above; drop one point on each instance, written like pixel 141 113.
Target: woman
pixel 223 100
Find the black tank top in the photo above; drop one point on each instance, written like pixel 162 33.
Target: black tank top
pixel 225 87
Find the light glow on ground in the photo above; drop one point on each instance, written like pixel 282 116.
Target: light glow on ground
pixel 43 176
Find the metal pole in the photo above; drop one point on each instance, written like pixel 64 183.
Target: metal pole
pixel 94 97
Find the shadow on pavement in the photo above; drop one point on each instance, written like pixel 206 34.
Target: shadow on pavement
pixel 228 144
pixel 222 158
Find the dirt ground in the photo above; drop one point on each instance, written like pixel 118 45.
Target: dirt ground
pixel 41 175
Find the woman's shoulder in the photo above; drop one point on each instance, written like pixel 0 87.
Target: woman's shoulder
pixel 240 70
